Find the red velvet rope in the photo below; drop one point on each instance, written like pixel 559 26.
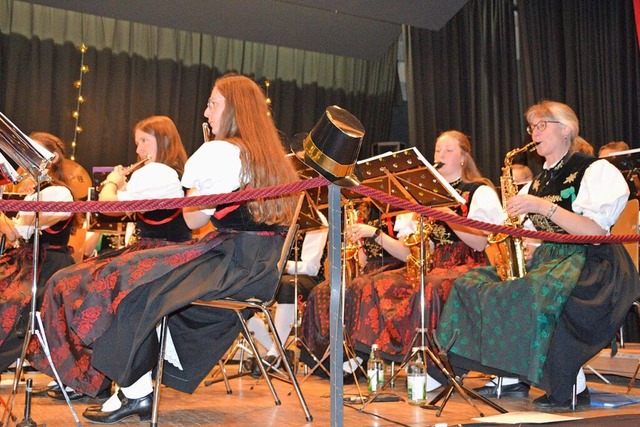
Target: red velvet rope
pixel 274 191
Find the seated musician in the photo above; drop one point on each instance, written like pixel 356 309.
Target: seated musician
pixel 385 308
pixel 76 305
pixel 16 264
pixel 541 328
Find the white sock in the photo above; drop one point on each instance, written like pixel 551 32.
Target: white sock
pixel 283 319
pixel 260 332
pixel 505 381
pixel 581 382
pixel 141 388
pixel 113 402
pixel 351 365
pixel 432 384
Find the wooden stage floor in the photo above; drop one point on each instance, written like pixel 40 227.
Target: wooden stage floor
pixel 251 404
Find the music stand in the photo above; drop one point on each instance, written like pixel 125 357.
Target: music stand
pixel 35 160
pixel 408 175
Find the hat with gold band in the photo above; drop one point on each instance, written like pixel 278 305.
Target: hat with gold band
pixel 333 145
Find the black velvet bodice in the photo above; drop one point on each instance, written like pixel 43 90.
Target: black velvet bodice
pixel 560 185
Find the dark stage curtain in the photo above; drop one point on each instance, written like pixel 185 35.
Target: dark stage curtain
pixel 586 55
pixel 465 77
pixel 472 75
pixel 138 70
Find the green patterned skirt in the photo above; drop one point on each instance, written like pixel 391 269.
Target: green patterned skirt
pixel 508 325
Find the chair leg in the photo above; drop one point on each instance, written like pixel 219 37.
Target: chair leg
pixel 283 359
pixel 254 349
pixel 159 372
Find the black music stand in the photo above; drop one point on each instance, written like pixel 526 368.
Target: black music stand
pixel 628 162
pixel 408 175
pixel 35 160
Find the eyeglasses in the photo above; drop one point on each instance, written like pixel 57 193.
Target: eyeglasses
pixel 541 126
pixel 212 102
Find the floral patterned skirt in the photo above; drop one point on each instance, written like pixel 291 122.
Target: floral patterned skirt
pixel 16 281
pixel 387 308
pixel 78 306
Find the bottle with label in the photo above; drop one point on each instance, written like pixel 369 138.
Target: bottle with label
pixel 416 378
pixel 375 370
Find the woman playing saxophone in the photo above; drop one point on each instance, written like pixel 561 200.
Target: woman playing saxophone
pixel 540 329
pixel 510 259
pixel 384 307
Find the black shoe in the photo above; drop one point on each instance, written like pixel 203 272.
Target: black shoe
pixel 545 403
pixel 55 393
pixel 42 391
pixel 128 408
pixel 512 390
pixel 248 364
pixel 268 362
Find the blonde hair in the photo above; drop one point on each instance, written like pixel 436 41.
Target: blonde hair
pixel 583 146
pixel 553 110
pixel 246 122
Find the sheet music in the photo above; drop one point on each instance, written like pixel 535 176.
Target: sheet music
pixel 402 162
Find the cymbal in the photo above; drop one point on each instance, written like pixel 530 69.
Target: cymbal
pixel 78 178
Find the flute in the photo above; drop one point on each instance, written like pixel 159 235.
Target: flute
pixel 206 131
pixel 134 167
pixel 126 171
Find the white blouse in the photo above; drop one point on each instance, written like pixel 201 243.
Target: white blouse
pixel 214 168
pixel 485 206
pixel 602 196
pixel 152 181
pixel 24 222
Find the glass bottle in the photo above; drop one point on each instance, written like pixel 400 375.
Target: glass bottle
pixel 375 370
pixel 416 378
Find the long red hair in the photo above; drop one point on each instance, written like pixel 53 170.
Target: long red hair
pixel 247 123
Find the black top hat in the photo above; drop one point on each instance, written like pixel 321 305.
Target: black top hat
pixel 333 145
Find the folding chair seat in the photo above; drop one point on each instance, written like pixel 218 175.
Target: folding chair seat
pixel 238 306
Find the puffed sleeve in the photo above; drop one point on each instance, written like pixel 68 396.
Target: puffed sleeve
pixel 153 181
pixel 213 169
pixel 603 194
pixel 485 206
pixel 25 221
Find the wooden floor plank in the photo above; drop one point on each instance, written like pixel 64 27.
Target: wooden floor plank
pixel 252 404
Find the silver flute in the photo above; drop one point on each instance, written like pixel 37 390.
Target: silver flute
pixel 206 131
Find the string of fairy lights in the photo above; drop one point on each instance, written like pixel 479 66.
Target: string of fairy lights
pixel 267 83
pixel 77 130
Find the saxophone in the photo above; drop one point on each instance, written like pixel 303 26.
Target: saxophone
pixel 413 242
pixel 350 248
pixel 510 259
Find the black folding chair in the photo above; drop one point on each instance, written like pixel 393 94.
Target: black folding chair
pixel 239 306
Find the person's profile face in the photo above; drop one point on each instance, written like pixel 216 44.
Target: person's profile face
pixel 214 110
pixel 146 145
